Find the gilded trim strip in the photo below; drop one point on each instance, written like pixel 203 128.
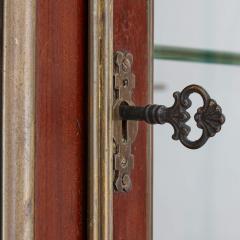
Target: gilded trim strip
pixel 18 120
pixel 100 120
pixel 150 128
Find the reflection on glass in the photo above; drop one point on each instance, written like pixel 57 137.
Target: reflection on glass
pixel 197 193
pixel 205 24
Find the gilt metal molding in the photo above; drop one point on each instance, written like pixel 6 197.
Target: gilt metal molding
pixel 18 120
pixel 100 189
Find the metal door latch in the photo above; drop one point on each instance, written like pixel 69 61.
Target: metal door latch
pixel 209 118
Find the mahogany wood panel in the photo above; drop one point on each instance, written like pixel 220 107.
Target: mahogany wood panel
pixel 131 34
pixel 61 123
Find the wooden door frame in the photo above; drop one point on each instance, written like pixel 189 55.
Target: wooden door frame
pixel 18 134
pixel 100 223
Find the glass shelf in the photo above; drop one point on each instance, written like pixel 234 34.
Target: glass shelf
pixel 196 55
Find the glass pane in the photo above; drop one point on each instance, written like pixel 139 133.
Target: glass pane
pixel 209 24
pixel 197 192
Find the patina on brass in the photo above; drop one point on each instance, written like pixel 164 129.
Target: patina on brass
pixel 100 189
pixel 124 131
pixel 209 117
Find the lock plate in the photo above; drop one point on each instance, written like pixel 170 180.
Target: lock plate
pixel 124 131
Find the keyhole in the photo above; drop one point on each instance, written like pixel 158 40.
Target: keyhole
pixel 124 130
pixel 124 127
pixel 125 83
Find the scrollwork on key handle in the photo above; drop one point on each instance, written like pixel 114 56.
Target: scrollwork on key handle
pixel 209 117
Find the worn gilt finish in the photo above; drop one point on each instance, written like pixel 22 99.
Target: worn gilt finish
pixel 149 217
pixel 100 213
pixel 18 119
pixel 209 117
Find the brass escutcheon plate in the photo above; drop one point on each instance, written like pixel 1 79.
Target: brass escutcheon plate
pixel 124 131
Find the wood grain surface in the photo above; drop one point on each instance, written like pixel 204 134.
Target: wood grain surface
pixel 61 120
pixel 131 210
pixel 61 123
